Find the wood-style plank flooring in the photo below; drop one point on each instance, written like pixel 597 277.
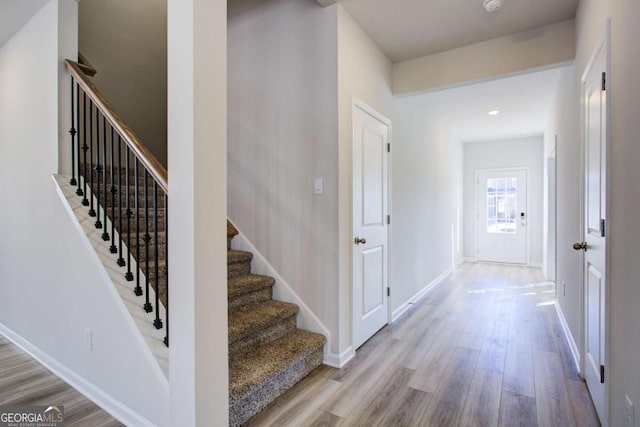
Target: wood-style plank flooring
pixel 23 381
pixel 485 348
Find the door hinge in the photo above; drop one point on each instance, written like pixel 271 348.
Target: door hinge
pixel 388 219
pixel 388 291
pixel 602 225
pixel 602 374
pixel 388 147
pixel 604 81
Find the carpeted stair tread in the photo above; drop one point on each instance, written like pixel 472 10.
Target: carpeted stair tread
pixel 231 233
pixel 140 235
pixel 257 367
pixel 234 256
pixel 231 230
pixel 242 285
pixel 238 263
pixel 251 319
pixel 162 264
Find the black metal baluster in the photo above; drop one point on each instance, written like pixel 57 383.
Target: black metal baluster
pixel 105 234
pixel 120 212
pixel 73 132
pixel 98 223
pixel 137 290
pixel 166 269
pixel 85 147
pixel 157 322
pixel 92 212
pixel 147 305
pixel 113 249
pixel 79 191
pixel 129 275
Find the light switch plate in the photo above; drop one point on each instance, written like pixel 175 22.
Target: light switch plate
pixel 318 186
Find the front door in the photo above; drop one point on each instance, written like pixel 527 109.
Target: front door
pixel 502 216
pixel 595 230
pixel 370 228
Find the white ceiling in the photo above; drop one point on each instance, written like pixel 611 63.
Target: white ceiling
pixel 407 29
pixel 524 103
pixel 14 14
pixel 412 28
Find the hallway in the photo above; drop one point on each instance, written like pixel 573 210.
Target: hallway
pixel 485 348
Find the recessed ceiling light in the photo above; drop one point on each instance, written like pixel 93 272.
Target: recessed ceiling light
pixel 494 112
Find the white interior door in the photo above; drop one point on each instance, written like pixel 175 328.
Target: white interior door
pixel 502 216
pixel 370 228
pixel 594 244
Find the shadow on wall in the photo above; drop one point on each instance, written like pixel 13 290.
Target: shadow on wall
pixel 127 43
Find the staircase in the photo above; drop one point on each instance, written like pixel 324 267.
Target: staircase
pixel 267 353
pixel 125 189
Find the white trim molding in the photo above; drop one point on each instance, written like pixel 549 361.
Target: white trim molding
pixel 420 294
pixel 575 352
pixel 113 406
pixel 339 360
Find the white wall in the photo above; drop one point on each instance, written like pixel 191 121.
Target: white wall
pixel 50 286
pixel 541 47
pixel 563 122
pixel 126 41
pixel 624 94
pixel 521 153
pixel 283 132
pixel 427 197
pixel 364 73
pixel 549 216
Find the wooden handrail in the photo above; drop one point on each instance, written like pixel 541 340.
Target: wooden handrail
pixel 86 66
pixel 149 161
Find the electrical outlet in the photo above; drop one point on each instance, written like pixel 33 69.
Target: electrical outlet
pixel 629 410
pixel 88 338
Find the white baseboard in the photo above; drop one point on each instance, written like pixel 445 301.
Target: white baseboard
pixel 470 259
pixel 567 334
pixel 117 409
pixel 420 294
pixel 282 291
pixel 534 264
pixel 339 360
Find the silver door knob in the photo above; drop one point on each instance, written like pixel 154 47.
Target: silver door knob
pixel 580 246
pixel 360 240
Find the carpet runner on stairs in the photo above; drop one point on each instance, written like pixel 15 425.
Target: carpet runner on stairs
pixel 267 353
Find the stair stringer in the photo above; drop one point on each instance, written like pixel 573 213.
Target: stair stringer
pixel 282 291
pixel 140 322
